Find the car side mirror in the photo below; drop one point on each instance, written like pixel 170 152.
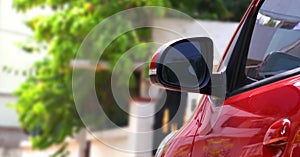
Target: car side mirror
pixel 184 65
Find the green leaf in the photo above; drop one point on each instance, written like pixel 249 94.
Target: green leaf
pixel 45 105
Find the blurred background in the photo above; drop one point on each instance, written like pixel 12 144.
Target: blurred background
pixel 39 41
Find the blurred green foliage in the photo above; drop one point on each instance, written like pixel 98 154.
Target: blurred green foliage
pixel 45 105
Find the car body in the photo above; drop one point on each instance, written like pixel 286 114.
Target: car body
pixel 251 104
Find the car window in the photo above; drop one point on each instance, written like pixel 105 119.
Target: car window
pixel 275 42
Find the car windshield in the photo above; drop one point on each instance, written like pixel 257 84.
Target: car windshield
pixel 275 42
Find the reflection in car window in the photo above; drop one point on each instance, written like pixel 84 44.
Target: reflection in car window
pixel 275 42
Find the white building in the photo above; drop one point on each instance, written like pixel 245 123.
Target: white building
pixel 12 30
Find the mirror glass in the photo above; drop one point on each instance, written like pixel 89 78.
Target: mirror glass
pixel 183 65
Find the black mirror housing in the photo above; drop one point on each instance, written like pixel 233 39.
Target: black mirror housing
pixel 184 65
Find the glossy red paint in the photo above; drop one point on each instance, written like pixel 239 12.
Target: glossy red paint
pixel 185 139
pixel 277 137
pixel 277 105
pixel 244 123
pixel 153 61
pixel 262 122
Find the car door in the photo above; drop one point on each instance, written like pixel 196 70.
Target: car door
pixel 260 114
pixel 260 122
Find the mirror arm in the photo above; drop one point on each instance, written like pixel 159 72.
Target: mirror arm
pixel 217 85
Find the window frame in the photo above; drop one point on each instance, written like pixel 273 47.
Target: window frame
pixel 237 81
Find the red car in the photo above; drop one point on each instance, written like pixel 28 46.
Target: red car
pixel 251 103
